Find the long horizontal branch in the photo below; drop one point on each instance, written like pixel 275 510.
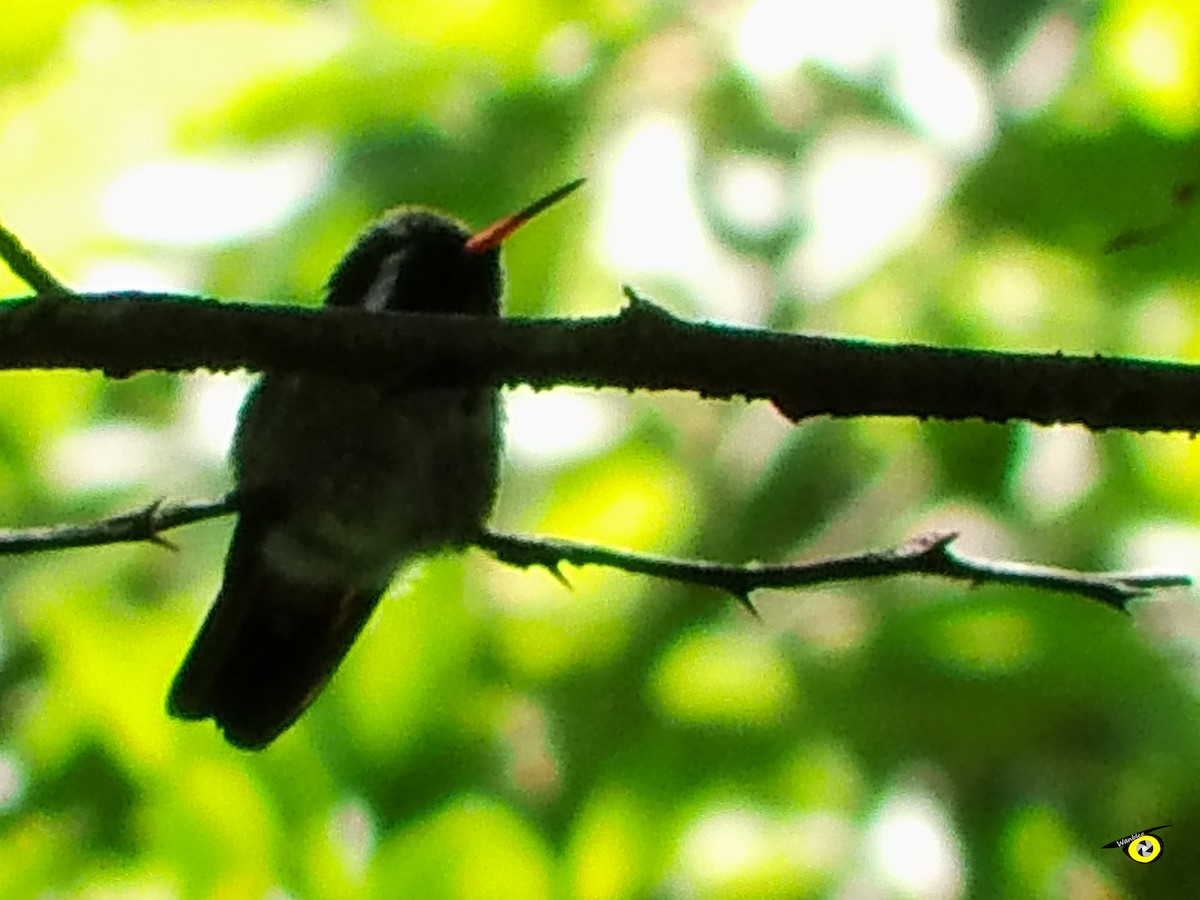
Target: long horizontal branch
pixel 930 554
pixel 641 348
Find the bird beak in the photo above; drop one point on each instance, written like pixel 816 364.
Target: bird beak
pixel 495 234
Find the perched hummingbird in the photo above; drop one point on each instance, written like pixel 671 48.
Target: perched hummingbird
pixel 340 482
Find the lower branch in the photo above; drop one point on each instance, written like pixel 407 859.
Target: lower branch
pixel 145 524
pixel 929 554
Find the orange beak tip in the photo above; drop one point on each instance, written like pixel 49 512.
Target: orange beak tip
pixel 495 234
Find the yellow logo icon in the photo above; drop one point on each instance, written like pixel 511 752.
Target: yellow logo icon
pixel 1142 846
pixel 1144 849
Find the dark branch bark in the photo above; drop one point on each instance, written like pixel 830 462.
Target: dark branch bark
pixel 642 348
pixel 929 554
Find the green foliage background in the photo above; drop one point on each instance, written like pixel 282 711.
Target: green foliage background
pixel 493 735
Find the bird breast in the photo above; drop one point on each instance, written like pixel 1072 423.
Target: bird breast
pixel 367 476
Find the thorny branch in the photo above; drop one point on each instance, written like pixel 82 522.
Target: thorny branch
pixel 146 524
pixel 643 347
pixel 926 554
pixel 929 554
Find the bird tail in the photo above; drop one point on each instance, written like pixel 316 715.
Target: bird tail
pixel 268 646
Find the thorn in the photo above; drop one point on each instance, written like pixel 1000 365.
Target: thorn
pixel 929 542
pixel 743 597
pixel 149 519
pixel 640 307
pixel 158 540
pixel 1122 597
pixel 942 540
pixel 555 569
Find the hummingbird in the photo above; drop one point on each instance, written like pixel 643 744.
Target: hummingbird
pixel 340 482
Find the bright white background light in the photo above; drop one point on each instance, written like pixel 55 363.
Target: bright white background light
pixel 207 201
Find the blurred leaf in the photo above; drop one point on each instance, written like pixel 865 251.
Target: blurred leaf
pixel 992 30
pixel 474 848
